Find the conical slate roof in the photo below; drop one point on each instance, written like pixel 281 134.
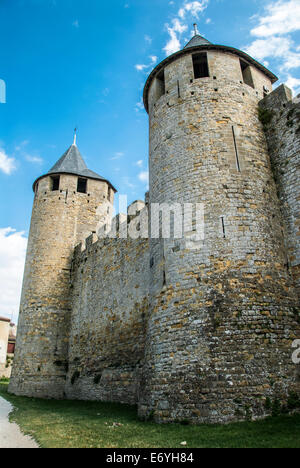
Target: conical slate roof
pixel 72 162
pixel 197 40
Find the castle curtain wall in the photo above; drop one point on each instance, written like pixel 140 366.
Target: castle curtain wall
pixel 110 281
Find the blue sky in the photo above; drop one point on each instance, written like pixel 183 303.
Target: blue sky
pixel 70 63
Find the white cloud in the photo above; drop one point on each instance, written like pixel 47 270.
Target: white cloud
pixel 75 24
pixel 281 17
pixel 33 159
pixel 173 45
pixel 13 246
pixel 178 27
pixel 142 67
pixel 144 176
pixel 294 84
pixel 139 163
pixel 7 164
pixel 139 105
pixel 194 8
pixel 273 37
pixel 118 155
pixel 148 39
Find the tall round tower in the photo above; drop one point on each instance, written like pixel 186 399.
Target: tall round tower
pixel 221 320
pixel 65 211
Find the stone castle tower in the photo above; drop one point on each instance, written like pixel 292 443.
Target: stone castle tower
pixel 202 333
pixel 65 212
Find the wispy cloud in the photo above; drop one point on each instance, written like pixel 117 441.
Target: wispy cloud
pixel 33 159
pixel 117 156
pixel 7 164
pixel 280 17
pixel 144 176
pixel 139 105
pixel 178 24
pixel 273 37
pixel 144 67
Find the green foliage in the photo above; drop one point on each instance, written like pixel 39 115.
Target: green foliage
pixel 265 116
pixel 90 424
pixel 293 401
pixel 276 408
pixel 268 404
pixel 4 380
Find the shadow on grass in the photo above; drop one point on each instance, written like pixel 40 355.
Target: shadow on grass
pixel 80 424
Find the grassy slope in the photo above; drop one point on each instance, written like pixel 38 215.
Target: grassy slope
pixel 76 424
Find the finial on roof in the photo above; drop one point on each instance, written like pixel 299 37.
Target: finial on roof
pixel 196 32
pixel 75 136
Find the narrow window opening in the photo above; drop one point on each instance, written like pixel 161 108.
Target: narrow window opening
pixel 246 72
pixel 82 185
pixel 223 227
pixel 236 151
pixel 200 64
pixel 161 85
pixel 109 194
pixel 55 183
pixel 164 278
pixel 178 88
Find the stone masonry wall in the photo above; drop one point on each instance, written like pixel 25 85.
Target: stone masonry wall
pixel 282 124
pixel 222 318
pixel 110 281
pixel 60 219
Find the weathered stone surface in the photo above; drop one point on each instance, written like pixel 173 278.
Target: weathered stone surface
pixel 221 318
pixel 60 219
pixel 283 135
pixel 202 333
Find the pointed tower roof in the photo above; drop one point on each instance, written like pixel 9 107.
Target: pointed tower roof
pixel 73 163
pixel 196 41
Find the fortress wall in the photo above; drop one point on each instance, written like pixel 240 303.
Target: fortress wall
pixel 283 135
pixel 221 320
pixel 110 310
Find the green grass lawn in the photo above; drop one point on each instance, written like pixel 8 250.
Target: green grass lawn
pixel 77 424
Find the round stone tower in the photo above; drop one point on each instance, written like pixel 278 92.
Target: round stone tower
pixel 67 209
pixel 222 320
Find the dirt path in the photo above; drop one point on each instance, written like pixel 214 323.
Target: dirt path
pixel 10 434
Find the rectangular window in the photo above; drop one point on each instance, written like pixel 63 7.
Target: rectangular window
pixel 200 64
pixel 246 72
pixel 161 85
pixel 55 183
pixel 82 185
